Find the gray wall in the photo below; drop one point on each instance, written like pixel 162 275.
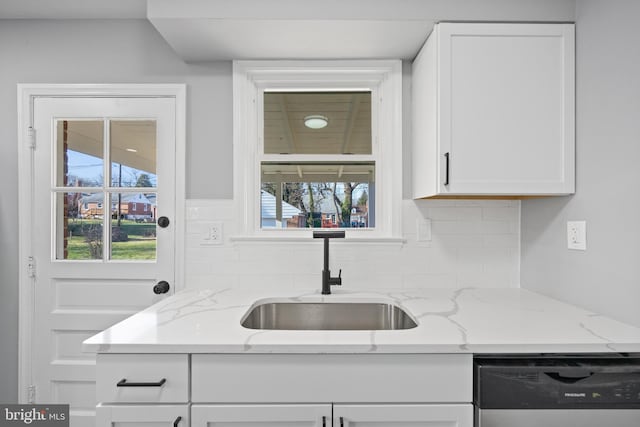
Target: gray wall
pixel 606 277
pixel 100 52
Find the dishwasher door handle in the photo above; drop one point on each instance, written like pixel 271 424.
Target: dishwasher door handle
pixel 569 377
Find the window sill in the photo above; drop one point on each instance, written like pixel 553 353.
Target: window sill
pixel 304 239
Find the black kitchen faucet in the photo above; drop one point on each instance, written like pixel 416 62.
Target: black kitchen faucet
pixel 327 280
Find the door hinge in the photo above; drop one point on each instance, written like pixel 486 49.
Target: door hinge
pixel 31 394
pixel 31 266
pixel 31 137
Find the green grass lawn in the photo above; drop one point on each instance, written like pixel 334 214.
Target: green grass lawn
pixel 138 248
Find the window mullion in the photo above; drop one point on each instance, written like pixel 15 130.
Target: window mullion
pixel 106 196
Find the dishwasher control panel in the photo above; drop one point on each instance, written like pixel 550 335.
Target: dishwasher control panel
pixel 568 382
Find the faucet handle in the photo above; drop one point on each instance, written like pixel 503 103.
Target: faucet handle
pixel 337 281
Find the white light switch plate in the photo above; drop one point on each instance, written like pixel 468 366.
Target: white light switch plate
pixel 577 235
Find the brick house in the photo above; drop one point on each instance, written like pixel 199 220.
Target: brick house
pixel 134 206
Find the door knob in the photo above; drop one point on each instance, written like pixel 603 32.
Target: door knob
pixel 162 287
pixel 163 222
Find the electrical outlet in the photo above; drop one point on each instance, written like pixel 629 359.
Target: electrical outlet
pixel 211 233
pixel 577 235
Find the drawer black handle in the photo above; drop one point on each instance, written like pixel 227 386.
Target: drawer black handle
pixel 446 170
pixel 123 383
pixel 177 421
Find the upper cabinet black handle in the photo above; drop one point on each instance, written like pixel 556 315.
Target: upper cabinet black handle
pixel 341 422
pixel 162 287
pixel 324 421
pixel 177 421
pixel 446 168
pixel 123 383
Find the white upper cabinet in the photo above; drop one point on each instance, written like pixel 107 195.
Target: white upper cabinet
pixel 494 111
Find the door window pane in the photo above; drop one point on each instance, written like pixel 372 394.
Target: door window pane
pixel 317 195
pixel 79 225
pixel 125 219
pixel 133 153
pixel 133 227
pixel 317 123
pixel 79 153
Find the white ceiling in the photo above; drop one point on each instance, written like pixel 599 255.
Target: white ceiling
pixel 208 30
pixel 73 9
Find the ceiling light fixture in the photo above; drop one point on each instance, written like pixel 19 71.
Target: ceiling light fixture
pixel 316 121
pixel 132 150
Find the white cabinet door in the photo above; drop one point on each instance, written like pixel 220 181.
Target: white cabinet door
pixel 261 415
pixel 142 416
pixel 493 110
pixel 403 415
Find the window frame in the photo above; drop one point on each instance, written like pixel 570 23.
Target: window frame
pixel 252 78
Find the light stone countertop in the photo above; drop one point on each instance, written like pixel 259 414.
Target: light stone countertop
pixel 468 320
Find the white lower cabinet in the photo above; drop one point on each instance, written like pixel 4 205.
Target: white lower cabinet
pixel 261 415
pixel 292 390
pixel 338 415
pixel 398 415
pixel 120 415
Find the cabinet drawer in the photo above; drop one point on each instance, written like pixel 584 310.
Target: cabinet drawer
pixel 133 378
pixel 300 378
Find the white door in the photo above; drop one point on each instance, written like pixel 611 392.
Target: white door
pixel 104 173
pixel 261 415
pixel 403 415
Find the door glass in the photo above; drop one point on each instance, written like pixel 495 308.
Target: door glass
pixel 116 220
pixel 80 153
pixel 79 225
pixel 133 153
pixel 133 226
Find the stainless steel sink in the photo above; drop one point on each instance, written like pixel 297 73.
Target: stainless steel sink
pixel 327 316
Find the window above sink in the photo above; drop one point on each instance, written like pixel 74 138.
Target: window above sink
pixel 318 144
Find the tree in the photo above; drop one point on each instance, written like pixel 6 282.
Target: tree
pixel 363 199
pixel 144 180
pixel 347 203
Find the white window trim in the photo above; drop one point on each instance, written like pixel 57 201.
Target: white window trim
pixel 382 77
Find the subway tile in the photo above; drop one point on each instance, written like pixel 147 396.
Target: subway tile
pixel 499 213
pixel 455 213
pixel 421 281
pixel 456 227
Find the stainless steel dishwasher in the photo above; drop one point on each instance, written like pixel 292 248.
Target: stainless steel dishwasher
pixel 557 391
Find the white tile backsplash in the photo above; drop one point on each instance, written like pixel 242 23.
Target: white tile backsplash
pixel 474 243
